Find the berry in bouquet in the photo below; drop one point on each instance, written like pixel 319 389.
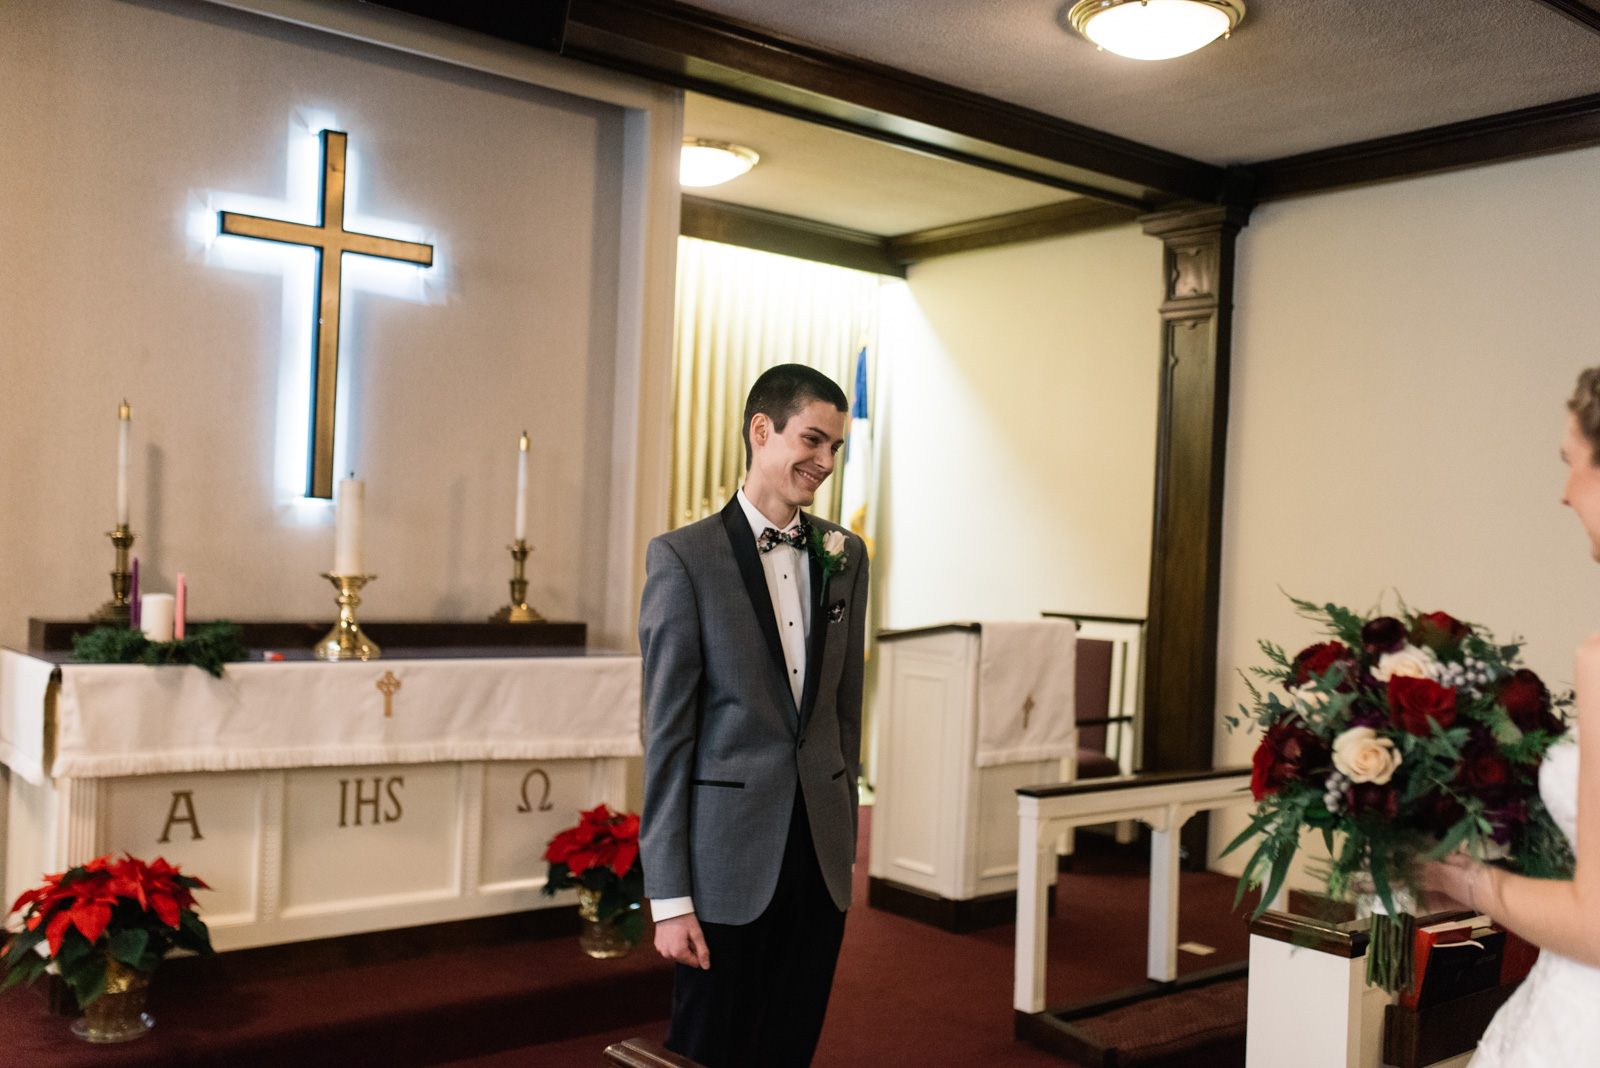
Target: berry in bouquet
pixel 1400 739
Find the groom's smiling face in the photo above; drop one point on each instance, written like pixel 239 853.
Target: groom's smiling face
pixel 792 463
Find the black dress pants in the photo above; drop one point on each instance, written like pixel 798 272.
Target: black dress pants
pixel 762 1001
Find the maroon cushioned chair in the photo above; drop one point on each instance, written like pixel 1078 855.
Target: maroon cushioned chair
pixel 1093 701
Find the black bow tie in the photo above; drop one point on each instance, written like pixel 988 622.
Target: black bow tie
pixel 771 538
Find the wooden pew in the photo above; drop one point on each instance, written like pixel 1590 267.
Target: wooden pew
pixel 640 1053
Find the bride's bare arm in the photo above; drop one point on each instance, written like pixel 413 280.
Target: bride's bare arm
pixel 1563 917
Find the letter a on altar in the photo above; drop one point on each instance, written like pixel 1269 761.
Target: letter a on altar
pixel 184 800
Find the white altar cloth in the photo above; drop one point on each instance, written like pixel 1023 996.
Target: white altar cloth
pixel 118 720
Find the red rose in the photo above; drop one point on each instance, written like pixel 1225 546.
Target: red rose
pixel 1485 772
pixel 1383 635
pixel 1418 702
pixel 1287 752
pixel 1527 702
pixel 1317 660
pixel 1369 798
pixel 1442 812
pixel 1438 629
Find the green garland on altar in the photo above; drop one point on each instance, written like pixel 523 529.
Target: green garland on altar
pixel 208 648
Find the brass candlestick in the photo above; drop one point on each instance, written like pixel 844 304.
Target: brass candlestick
pixel 519 610
pixel 117 609
pixel 345 641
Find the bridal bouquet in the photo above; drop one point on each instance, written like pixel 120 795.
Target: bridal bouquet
pixel 1402 738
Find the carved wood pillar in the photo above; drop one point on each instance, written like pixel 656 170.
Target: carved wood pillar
pixel 1191 442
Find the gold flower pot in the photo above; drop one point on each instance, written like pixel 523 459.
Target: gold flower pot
pixel 117 1015
pixel 602 939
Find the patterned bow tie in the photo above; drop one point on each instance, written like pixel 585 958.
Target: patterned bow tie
pixel 771 538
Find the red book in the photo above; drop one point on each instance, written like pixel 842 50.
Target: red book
pixel 1427 938
pixel 1519 957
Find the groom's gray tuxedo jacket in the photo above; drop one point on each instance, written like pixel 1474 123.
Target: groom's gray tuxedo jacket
pixel 724 744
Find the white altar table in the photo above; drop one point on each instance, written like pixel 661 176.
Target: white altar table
pixel 317 799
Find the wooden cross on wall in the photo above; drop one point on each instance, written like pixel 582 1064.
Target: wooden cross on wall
pixel 332 241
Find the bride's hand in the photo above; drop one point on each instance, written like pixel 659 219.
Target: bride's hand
pixel 1449 882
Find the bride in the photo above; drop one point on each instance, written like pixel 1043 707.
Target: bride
pixel 1553 1020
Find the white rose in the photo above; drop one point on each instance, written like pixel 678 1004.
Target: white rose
pixel 1310 698
pixel 1361 756
pixel 1408 661
pixel 833 542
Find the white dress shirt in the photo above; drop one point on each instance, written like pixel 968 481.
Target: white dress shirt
pixel 788 572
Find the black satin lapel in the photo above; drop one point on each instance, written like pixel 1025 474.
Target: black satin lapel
pixel 817 639
pixel 755 584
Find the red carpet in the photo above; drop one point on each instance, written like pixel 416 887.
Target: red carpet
pixel 911 996
pixel 906 996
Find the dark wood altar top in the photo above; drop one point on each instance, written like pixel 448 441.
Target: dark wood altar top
pixel 288 636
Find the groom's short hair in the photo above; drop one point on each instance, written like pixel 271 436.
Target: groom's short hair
pixel 782 391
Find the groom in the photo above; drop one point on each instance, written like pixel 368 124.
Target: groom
pixel 752 629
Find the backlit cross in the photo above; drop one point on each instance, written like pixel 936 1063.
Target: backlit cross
pixel 331 240
pixel 1027 711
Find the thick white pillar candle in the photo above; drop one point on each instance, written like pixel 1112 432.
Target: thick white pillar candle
pixel 124 425
pixel 156 613
pixel 522 487
pixel 347 527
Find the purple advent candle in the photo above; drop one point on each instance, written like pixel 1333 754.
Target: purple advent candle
pixel 133 597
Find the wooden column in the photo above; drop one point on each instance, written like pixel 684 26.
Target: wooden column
pixel 1191 443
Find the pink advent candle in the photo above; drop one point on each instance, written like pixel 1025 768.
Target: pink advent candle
pixel 133 597
pixel 180 608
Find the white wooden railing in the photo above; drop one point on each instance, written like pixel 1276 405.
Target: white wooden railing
pixel 1164 800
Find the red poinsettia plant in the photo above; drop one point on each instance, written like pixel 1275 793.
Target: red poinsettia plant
pixel 108 909
pixel 601 855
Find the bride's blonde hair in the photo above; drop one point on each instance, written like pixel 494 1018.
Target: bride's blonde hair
pixel 1585 405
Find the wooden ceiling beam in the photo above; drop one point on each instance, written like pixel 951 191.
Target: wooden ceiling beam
pixel 1577 11
pixel 691 48
pixel 1032 224
pixel 1557 127
pixel 786 235
pixel 807 239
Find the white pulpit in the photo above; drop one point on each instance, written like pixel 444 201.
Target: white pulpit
pixel 317 799
pixel 944 824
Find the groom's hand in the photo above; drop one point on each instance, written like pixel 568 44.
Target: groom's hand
pixel 681 939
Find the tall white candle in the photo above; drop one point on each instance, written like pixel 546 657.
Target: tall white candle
pixel 156 614
pixel 347 528
pixel 124 424
pixel 522 487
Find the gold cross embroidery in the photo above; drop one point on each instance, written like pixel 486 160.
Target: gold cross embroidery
pixel 389 685
pixel 1027 711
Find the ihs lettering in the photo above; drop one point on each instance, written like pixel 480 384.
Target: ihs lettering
pixel 380 789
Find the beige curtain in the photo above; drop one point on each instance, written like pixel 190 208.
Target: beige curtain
pixel 740 312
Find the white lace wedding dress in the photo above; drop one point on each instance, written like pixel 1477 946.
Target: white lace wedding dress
pixel 1553 1020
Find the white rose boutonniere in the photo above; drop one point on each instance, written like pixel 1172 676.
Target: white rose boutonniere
pixel 830 551
pixel 1408 661
pixel 1361 756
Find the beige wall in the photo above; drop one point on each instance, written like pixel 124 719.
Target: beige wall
pixel 1401 358
pixel 1020 431
pixel 554 216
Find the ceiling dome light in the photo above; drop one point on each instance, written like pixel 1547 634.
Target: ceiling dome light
pixel 713 162
pixel 1154 29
